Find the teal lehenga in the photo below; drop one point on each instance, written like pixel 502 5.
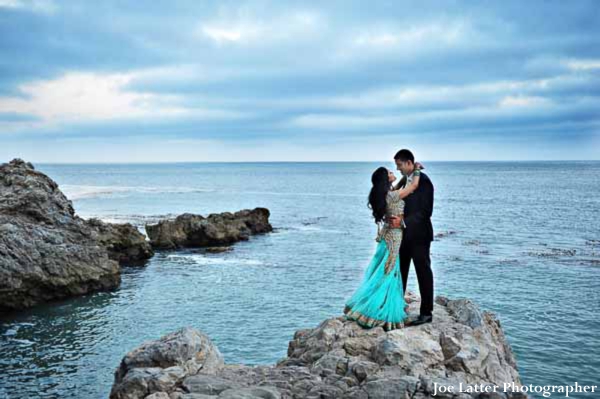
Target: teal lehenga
pixel 379 300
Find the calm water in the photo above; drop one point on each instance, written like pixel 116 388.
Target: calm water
pixel 524 242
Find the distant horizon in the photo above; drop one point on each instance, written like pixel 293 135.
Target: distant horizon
pixel 307 162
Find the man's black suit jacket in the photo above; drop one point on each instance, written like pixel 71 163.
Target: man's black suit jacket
pixel 418 208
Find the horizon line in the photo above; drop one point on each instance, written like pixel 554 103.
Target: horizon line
pixel 301 162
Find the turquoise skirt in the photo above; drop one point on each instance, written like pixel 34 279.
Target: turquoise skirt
pixel 379 300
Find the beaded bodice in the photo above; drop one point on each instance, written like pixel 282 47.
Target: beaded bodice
pixel 395 205
pixel 392 237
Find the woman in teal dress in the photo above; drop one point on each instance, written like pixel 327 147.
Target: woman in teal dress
pixel 379 300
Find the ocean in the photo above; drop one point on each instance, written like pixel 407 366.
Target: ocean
pixel 522 239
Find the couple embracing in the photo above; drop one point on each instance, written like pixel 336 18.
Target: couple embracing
pixel 404 233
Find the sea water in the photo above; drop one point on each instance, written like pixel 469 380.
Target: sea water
pixel 522 239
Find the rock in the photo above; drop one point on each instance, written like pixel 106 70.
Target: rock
pixel 180 395
pixel 158 395
pixel 410 349
pixel 391 388
pixel 46 251
pixel 158 366
pixel 258 392
pixel 208 384
pixel 466 312
pixel 339 359
pixel 218 250
pixel 222 229
pixel 444 234
pixel 124 242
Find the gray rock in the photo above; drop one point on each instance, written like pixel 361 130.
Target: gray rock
pixel 222 229
pixel 339 359
pixel 178 395
pixel 466 312
pixel 363 369
pixel 158 395
pixel 46 251
pixel 158 366
pixel 410 349
pixel 218 250
pixel 251 393
pixel 208 384
pixel 124 242
pixel 388 388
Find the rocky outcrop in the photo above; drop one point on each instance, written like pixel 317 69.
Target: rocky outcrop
pixel 337 359
pixel 222 229
pixel 46 252
pixel 160 366
pixel 124 242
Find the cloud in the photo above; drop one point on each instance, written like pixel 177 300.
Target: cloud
pixel 523 101
pixel 260 71
pixel 77 97
pixel 583 65
pixel 44 6
pixel 15 117
pixel 243 26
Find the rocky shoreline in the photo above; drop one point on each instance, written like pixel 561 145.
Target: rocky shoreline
pixel 337 359
pixel 47 252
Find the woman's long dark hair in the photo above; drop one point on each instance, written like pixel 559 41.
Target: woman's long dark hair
pixel 381 186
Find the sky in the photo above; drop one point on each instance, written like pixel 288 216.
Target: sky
pixel 180 81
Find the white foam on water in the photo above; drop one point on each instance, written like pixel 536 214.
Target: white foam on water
pixel 75 192
pixel 212 260
pixel 25 342
pixel 313 228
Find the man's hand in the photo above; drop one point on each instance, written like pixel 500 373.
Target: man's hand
pixel 395 222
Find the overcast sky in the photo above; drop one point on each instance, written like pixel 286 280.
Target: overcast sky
pixel 106 81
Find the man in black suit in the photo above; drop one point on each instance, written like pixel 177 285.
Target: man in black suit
pixel 418 234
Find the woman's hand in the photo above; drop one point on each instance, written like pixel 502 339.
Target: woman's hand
pixel 395 222
pixel 419 165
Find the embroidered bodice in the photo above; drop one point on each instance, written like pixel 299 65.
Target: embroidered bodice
pixel 392 237
pixel 395 205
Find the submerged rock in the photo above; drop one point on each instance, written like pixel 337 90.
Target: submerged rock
pixel 218 250
pixel 124 242
pixel 189 230
pixel 337 359
pixel 46 252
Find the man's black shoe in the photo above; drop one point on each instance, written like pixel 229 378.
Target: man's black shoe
pixel 416 321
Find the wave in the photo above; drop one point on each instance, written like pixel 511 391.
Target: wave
pixel 134 219
pixel 305 228
pixel 23 342
pixel 291 193
pixel 211 260
pixel 76 192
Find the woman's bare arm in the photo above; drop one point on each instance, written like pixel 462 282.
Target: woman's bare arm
pixel 406 191
pixel 399 184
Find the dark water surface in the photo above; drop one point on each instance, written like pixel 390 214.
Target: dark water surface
pixel 521 239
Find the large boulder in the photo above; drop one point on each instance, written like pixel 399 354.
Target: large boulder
pixel 160 366
pixel 123 241
pixel 46 252
pixel 340 359
pixel 189 230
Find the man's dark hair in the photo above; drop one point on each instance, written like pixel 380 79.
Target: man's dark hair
pixel 404 155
